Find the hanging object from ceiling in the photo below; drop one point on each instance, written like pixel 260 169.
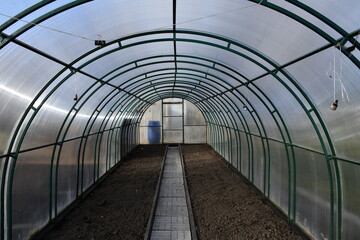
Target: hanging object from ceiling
pixel 335 74
pixel 334 105
pixel 100 42
pixel 75 88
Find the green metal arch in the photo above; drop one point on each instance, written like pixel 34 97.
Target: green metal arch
pixel 325 131
pixel 265 3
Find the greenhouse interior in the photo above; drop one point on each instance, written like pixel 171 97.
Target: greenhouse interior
pixel 271 86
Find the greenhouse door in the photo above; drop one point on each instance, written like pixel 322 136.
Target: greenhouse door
pixel 173 120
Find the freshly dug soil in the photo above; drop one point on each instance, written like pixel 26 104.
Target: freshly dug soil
pixel 119 208
pixel 224 206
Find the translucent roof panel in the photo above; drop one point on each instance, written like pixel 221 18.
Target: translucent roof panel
pixel 8 8
pixel 261 28
pixel 117 59
pixel 301 131
pixel 46 125
pixel 335 11
pixel 232 60
pixel 97 18
pixel 312 74
pixel 207 52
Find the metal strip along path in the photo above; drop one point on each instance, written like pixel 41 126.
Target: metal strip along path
pixel 172 217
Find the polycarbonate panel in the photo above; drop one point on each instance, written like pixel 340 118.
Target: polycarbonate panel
pixel 105 115
pixel 152 113
pixel 89 107
pixel 45 126
pixel 103 157
pixel 173 136
pixel 251 122
pixel 35 71
pixel 350 175
pixel 50 6
pixel 9 115
pixel 334 10
pixel 194 134
pixel 342 122
pixel 226 144
pixel 312 194
pixel 229 59
pixel 112 61
pixel 258 162
pixel 31 188
pixel 137 85
pixel 17 88
pixel 279 175
pixel 113 144
pixel 192 115
pixel 243 118
pixel 234 18
pixel 87 60
pixel 98 18
pixel 173 110
pixel 245 154
pixel 264 113
pixel 67 175
pixel 228 79
pixel 144 135
pixel 87 163
pixel 197 67
pixel 296 120
pixel 10 9
pixel 111 119
pixel 234 148
pixel 172 123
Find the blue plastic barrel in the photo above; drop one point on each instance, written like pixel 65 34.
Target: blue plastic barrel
pixel 154 131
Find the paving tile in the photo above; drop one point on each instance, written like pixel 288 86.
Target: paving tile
pixel 171 216
pixel 160 235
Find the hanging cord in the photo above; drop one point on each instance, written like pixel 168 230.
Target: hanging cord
pixel 75 85
pixel 43 26
pixel 338 77
pixel 344 93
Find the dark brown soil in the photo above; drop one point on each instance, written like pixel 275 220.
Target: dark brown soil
pixel 119 208
pixel 224 206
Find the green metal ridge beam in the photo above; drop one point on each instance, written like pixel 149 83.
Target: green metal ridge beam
pixel 174 42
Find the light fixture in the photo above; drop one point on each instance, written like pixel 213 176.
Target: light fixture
pixel 335 105
pixel 75 97
pixel 245 108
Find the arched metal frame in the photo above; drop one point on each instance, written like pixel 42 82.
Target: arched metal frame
pixel 216 119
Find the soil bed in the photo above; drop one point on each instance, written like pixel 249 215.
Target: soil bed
pixel 119 208
pixel 224 205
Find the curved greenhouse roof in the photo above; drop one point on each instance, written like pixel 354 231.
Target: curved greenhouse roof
pixel 264 73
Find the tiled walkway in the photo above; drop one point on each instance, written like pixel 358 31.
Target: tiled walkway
pixel 171 216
